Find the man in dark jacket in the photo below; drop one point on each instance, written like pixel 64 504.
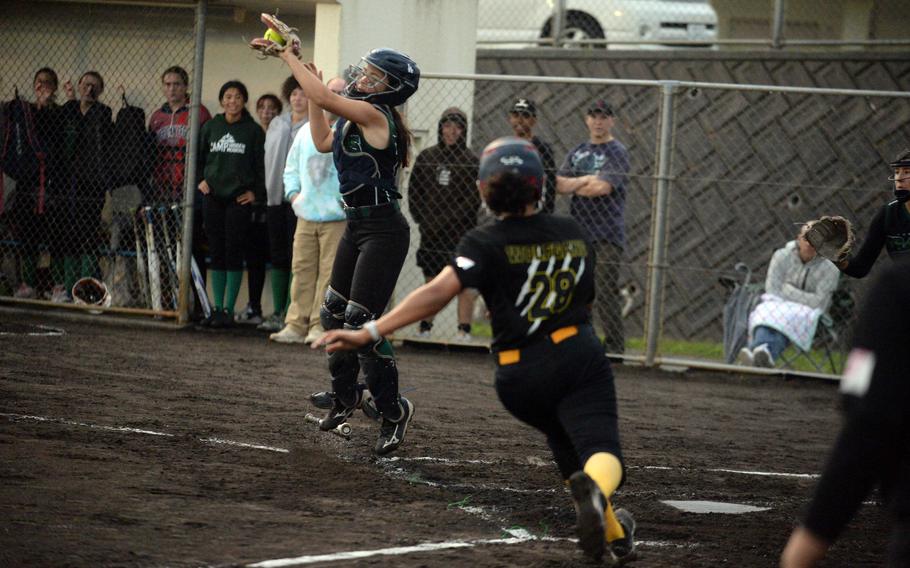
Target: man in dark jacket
pixel 443 200
pixel 523 119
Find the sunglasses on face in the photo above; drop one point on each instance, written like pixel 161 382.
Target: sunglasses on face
pixel 521 113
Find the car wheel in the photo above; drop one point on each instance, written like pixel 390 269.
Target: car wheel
pixel 577 28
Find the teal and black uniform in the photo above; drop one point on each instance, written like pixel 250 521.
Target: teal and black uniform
pixel 368 261
pixel 890 229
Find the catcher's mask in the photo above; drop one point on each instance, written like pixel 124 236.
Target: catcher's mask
pixel 91 292
pixel 902 162
pixel 401 77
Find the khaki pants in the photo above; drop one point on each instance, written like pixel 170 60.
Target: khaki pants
pixel 311 266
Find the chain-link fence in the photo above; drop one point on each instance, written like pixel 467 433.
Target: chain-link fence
pixel 714 198
pixel 94 133
pixel 655 24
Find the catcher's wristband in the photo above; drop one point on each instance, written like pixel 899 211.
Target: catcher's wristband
pixel 371 328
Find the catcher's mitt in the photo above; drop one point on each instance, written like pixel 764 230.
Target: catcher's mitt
pixel 277 29
pixel 831 237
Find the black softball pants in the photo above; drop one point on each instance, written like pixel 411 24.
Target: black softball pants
pixel 282 224
pixel 566 391
pixel 226 225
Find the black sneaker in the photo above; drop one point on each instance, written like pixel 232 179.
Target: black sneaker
pixel 339 413
pixel 322 399
pixel 589 514
pixel 227 319
pixel 391 434
pixel 623 550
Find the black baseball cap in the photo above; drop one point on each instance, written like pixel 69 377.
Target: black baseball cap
pixel 524 106
pixel 602 107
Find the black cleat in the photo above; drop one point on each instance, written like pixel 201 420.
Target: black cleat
pixel 339 413
pixel 589 514
pixel 322 399
pixel 623 550
pixel 391 434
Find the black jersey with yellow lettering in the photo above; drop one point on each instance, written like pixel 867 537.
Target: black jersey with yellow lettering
pixel 536 275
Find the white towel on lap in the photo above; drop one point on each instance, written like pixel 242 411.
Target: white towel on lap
pixel 797 321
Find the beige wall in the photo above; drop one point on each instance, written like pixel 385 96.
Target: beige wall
pixel 227 56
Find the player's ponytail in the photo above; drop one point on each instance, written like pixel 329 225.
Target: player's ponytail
pixel 509 193
pixel 404 137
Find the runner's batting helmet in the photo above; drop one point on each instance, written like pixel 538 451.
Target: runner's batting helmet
pixel 513 155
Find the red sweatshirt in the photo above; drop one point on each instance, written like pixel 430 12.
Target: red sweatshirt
pixel 170 130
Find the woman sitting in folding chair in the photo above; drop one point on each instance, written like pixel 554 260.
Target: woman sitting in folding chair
pixel 798 290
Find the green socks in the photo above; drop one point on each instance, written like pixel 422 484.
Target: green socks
pixel 234 279
pixel 281 284
pixel 219 281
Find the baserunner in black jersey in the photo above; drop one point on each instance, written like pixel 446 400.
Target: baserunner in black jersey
pixel 890 228
pixel 535 272
pixel 369 143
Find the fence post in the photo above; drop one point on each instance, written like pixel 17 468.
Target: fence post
pixel 559 21
pixel 656 265
pixel 777 30
pixel 192 150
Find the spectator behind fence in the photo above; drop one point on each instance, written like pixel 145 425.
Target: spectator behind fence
pixel 444 202
pixel 280 218
pixel 231 164
pixel 523 119
pixel 30 155
pixel 256 254
pixel 170 127
pixel 596 174
pixel 87 137
pixel 311 185
pixel 890 228
pixel 268 107
pixel 798 291
pixel 873 447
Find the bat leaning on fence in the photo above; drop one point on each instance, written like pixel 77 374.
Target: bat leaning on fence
pixel 169 255
pixel 153 260
pixel 141 267
pixel 196 274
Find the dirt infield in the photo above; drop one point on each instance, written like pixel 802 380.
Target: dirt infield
pixel 143 447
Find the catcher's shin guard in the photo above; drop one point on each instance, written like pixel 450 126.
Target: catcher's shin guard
pixel 378 363
pixel 343 365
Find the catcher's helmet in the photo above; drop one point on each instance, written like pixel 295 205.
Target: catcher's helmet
pixel 514 155
pixel 401 77
pixel 901 161
pixel 91 292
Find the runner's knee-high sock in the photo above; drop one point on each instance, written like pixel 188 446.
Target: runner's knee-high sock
pixel 606 471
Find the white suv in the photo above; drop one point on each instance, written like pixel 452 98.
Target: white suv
pixel 516 23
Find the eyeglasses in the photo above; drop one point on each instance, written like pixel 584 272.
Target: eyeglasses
pixel 521 113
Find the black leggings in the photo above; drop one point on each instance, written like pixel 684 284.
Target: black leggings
pixel 566 391
pixel 226 226
pixel 282 225
pixel 369 260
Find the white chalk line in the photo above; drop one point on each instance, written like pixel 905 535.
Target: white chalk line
pixel 48 332
pixel 139 431
pixel 736 471
pixel 446 461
